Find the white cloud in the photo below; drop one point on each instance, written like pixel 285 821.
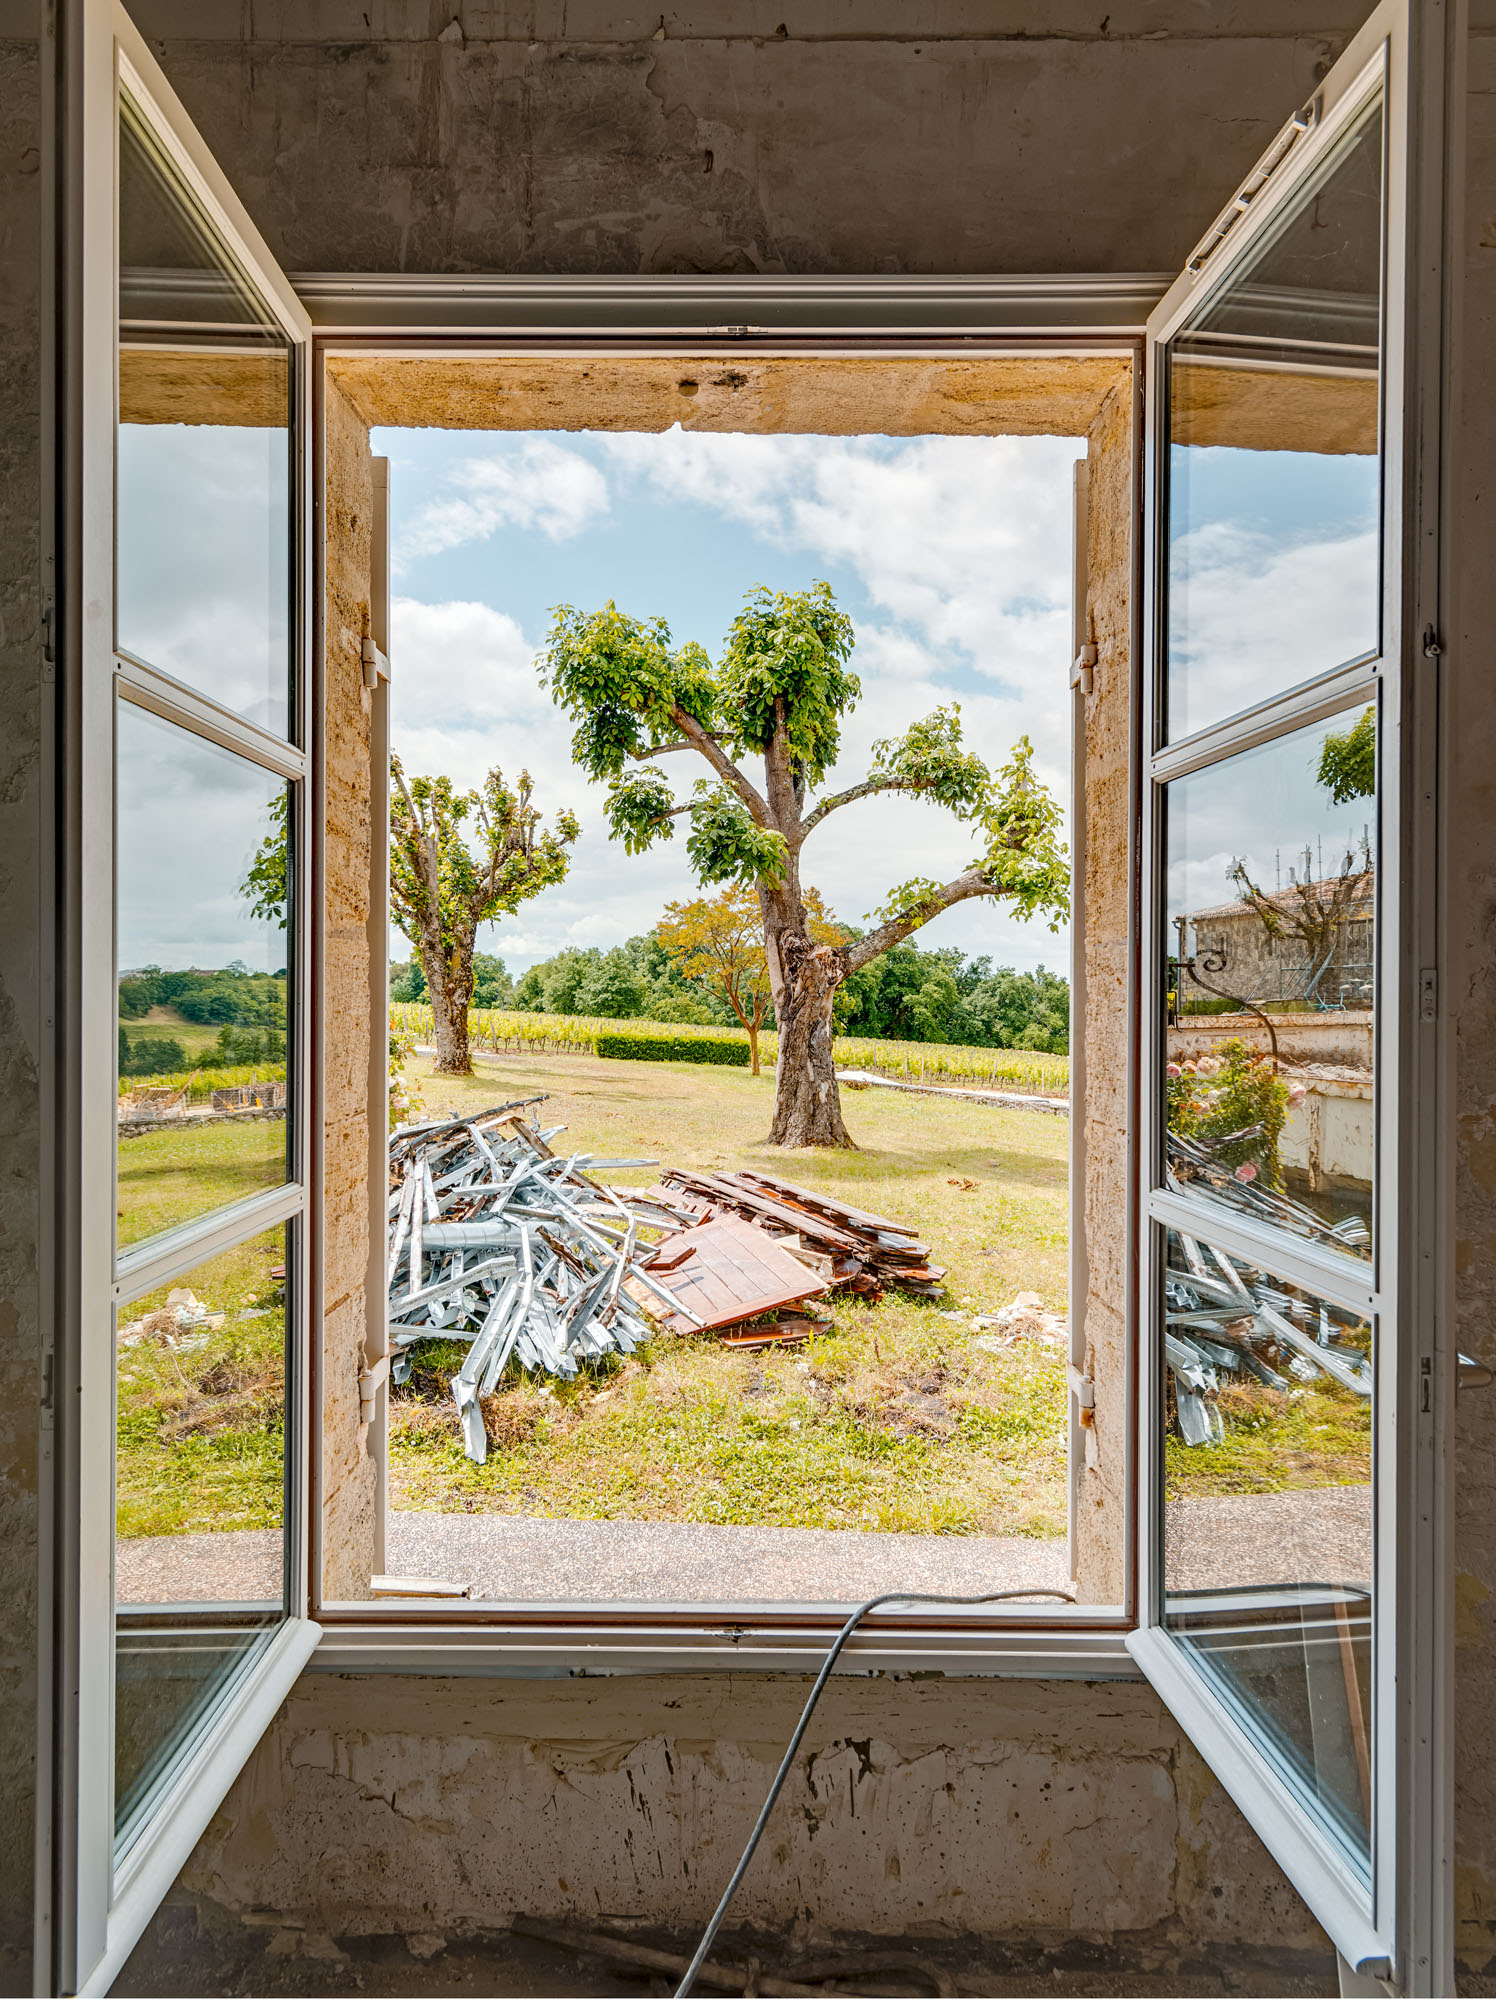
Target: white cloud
pixel 539 485
pixel 962 551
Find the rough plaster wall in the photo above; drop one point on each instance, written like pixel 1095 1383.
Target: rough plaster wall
pixel 740 135
pixel 21 945
pixel 978 1806
pixel 1099 1515
pixel 347 1469
pixel 1470 748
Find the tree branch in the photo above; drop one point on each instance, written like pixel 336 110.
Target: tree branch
pixel 661 749
pixel 972 883
pixel 703 740
pixel 854 792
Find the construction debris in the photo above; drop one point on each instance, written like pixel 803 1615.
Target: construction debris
pixel 1225 1319
pixel 852 1250
pixel 498 1241
pixel 525 1255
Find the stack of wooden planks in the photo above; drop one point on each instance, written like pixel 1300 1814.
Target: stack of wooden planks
pixel 847 1247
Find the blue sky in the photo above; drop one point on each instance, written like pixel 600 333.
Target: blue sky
pixel 953 556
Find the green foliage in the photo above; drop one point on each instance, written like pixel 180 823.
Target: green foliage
pixel 723 1050
pixel 1348 760
pixel 1233 1102
pixel 244 1045
pixel 785 668
pixel 725 845
pixel 492 986
pixel 612 987
pixel 1023 858
pixel 928 759
pixel 266 888
pixel 909 994
pixel 408 979
pixel 621 684
pixel 232 997
pixel 147 1054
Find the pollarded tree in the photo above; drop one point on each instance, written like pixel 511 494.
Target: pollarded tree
pixel 440 891
pixel 780 692
pixel 720 941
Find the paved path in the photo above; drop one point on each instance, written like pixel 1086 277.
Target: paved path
pixel 503 1556
pixel 1319 1536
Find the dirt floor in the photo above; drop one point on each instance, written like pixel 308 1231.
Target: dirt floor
pixel 191 1952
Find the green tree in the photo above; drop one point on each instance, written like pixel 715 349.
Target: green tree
pixel 781 692
pixel 1348 760
pixel 266 887
pixel 719 940
pixel 440 891
pixel 612 987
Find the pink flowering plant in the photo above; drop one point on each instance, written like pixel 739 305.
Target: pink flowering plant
pixel 1233 1103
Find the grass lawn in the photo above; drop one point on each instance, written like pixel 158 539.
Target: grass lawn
pixel 196 1037
pixel 200 1427
pixel 894 1421
pixel 187 1170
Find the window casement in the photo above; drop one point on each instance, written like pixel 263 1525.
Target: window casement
pixel 200 672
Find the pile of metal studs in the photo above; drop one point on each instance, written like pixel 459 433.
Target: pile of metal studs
pixel 498 1241
pixel 1225 1319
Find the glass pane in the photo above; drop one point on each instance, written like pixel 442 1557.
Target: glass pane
pixel 203 537
pixel 1268 1515
pixel 200 1483
pixel 1273 473
pixel 1270 930
pixel 202 952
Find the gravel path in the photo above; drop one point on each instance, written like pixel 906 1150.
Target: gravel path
pixel 1319 1536
pixel 502 1556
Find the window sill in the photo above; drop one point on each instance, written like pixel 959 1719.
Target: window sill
pixel 556 1642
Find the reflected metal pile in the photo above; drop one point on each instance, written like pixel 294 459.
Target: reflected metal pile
pixel 1222 1319
pixel 498 1241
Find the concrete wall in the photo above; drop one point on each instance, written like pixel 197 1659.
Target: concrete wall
pixel 1469 727
pixel 740 135
pixel 1017 1808
pixel 24 909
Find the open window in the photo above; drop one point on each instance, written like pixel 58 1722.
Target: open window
pixel 195 1229
pixel 1286 1055
pixel 1262 1262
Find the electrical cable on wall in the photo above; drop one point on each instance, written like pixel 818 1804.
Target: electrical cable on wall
pixel 856 1618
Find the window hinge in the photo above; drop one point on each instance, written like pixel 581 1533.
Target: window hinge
pixel 376 666
pixel 1083 668
pixel 371 1379
pixel 1428 994
pixel 1471 1374
pixel 1082 1388
pixel 1431 645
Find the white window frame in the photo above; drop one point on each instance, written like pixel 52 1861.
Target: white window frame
pixel 102 1903
pixel 1394 1930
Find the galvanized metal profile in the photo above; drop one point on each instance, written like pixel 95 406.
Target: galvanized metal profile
pixel 1059 306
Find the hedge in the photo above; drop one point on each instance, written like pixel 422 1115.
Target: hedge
pixel 674 1048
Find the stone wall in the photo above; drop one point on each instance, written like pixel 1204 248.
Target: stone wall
pixel 348 1473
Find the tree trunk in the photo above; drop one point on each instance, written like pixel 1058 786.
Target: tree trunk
pixel 450 996
pixel 753 1048
pixel 807 1103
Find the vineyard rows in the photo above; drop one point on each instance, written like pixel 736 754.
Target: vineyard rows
pixel 201 1083
pixel 506 1033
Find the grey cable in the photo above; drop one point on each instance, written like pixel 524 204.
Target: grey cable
pixel 888 1597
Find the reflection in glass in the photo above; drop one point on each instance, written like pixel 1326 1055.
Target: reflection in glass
pixel 204 460
pixel 1273 474
pixel 203 947
pixel 200 1480
pixel 1268 1515
pixel 1270 914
